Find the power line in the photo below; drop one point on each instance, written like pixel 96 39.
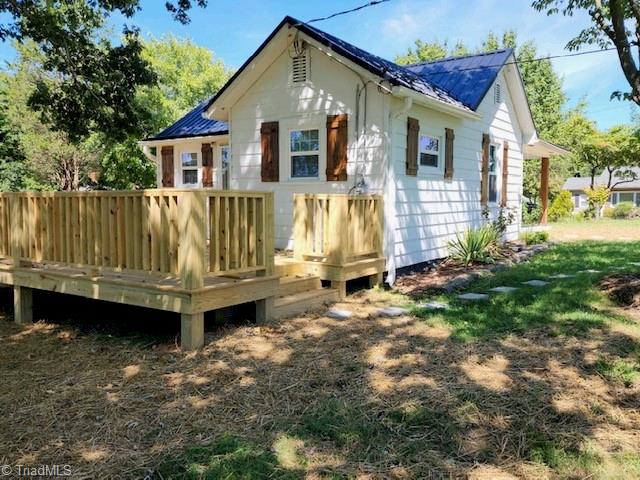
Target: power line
pixel 344 12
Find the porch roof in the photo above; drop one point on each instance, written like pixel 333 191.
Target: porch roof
pixel 542 149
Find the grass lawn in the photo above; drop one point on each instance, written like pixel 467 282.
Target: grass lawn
pixel 540 383
pixel 603 229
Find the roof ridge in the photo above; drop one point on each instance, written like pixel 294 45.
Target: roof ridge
pixel 458 57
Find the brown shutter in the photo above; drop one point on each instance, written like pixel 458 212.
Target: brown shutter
pixel 270 152
pixel 337 139
pixel 167 166
pixel 207 165
pixel 505 173
pixel 484 182
pixel 448 152
pixel 413 129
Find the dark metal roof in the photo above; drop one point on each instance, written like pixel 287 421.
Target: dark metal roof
pixel 193 124
pixel 395 74
pixel 466 78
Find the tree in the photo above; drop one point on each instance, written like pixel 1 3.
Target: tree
pixel 88 83
pixel 423 52
pixel 614 22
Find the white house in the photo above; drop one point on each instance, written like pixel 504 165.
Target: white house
pixel 441 141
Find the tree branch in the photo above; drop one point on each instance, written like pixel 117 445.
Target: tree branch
pixel 629 67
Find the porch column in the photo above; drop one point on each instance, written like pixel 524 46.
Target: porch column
pixel 544 189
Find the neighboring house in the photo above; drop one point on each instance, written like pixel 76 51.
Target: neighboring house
pixel 310 113
pixel 623 190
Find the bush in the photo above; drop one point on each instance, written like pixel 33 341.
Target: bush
pixel 607 213
pixel 623 210
pixel 531 217
pixel 475 245
pixel 561 207
pixel 535 238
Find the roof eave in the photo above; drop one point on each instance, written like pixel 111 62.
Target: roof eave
pixel 426 101
pixel 156 141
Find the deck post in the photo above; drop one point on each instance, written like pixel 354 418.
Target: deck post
pixel 338 230
pixel 193 239
pixel 544 189
pixel 22 304
pixel 191 331
pixel 264 309
pixel 341 286
pixel 375 280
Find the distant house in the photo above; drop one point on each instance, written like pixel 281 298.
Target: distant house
pixel 623 190
pixel 440 141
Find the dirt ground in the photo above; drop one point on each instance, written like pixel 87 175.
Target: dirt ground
pixel 366 397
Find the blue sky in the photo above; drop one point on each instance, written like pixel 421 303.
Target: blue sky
pixel 234 29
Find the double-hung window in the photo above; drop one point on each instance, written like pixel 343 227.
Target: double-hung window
pixel 625 197
pixel 189 165
pixel 493 173
pixel 429 151
pixel 304 153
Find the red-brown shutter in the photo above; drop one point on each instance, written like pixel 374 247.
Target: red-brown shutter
pixel 448 153
pixel 270 152
pixel 505 173
pixel 413 129
pixel 484 182
pixel 167 166
pixel 337 139
pixel 207 165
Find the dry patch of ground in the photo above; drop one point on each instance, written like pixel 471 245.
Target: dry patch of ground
pixel 604 229
pixel 313 397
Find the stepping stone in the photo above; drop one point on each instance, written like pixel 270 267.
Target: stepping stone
pixel 536 283
pixel 473 297
pixel 338 314
pixel 562 275
pixel 392 312
pixel 503 289
pixel 433 306
pixel 590 270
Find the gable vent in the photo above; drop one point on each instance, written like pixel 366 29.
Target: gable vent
pixel 497 93
pixel 299 68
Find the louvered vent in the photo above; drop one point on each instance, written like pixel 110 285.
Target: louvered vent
pixel 299 68
pixel 497 93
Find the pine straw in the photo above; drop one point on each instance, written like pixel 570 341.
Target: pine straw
pixel 390 398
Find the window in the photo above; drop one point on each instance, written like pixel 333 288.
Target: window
pixel 613 198
pixel 497 93
pixel 625 197
pixel 493 173
pixel 189 162
pixel 304 153
pixel 637 199
pixel 576 200
pixel 429 151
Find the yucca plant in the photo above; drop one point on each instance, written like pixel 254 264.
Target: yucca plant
pixel 475 245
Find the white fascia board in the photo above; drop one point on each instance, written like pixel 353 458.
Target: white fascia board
pixel 425 101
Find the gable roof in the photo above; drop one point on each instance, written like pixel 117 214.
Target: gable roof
pixel 466 78
pixel 193 124
pixel 580 183
pixel 395 74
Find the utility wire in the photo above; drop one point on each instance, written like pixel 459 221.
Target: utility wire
pixel 344 12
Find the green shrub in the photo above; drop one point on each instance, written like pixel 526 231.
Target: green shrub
pixel 530 217
pixel 623 210
pixel 607 213
pixel 561 207
pixel 535 238
pixel 475 245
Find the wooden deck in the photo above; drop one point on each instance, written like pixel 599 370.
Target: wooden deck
pixel 185 251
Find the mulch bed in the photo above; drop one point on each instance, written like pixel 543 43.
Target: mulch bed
pixel 623 289
pixel 447 276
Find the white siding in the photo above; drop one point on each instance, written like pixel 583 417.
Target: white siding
pixel 429 209
pixel 331 90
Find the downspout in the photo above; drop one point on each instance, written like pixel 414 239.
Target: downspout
pixel 390 211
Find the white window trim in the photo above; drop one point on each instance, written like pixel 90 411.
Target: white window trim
pixel 497 174
pixel 426 170
pixel 179 168
pixel 307 123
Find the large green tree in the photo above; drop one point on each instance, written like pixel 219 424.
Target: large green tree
pixel 90 81
pixel 613 22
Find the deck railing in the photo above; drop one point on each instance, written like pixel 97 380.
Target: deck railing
pixel 174 232
pixel 338 228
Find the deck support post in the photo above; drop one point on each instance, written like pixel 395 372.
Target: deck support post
pixel 191 331
pixel 22 304
pixel 544 189
pixel 341 287
pixel 375 280
pixel 264 310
